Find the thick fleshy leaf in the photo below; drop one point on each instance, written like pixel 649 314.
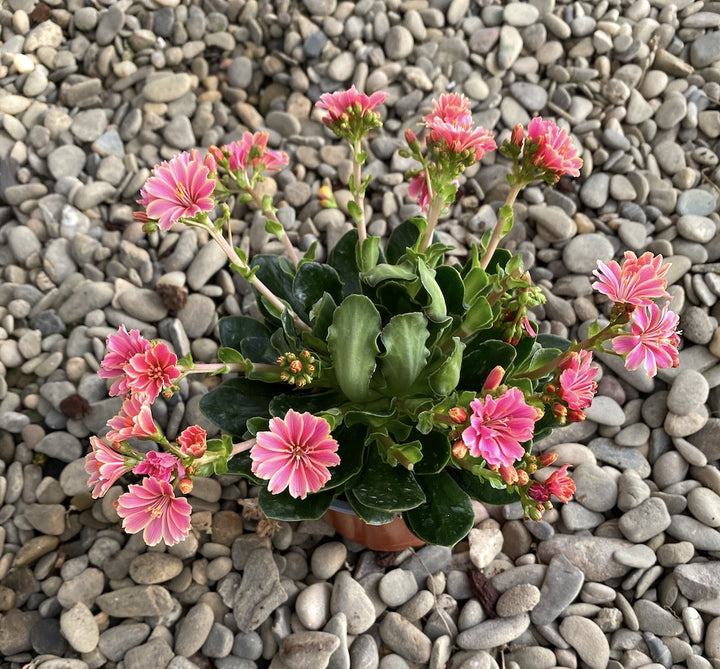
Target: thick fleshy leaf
pixel 480 362
pixel 386 488
pixel 447 514
pixel 233 330
pixel 258 349
pixel 405 353
pixel 395 298
pixel 313 280
pixel 283 506
pixel 553 341
pixel 342 259
pixel 386 272
pixel 241 465
pixel 277 275
pixel 482 490
pixel 368 514
pixel 474 281
pixel 311 402
pixel 478 316
pixel 435 451
pixel 352 340
pixel 451 285
pixel 403 237
pixel 231 404
pixel 436 309
pixel 445 379
pixel 351 451
pixel 323 313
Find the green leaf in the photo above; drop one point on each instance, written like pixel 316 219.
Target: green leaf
pixel 309 255
pixel 368 514
pixel 451 284
pixel 257 424
pixel 435 452
pixel 507 217
pixel 475 281
pixel 233 402
pixel 481 490
pixel 541 357
pixel 350 450
pixel 352 340
pixel 436 309
pixel 274 228
pixel 405 353
pixel 395 298
pixel 258 349
pixel 447 514
pixel 478 364
pixel 230 355
pixel 367 253
pixel 385 272
pixel 323 313
pixel 499 259
pixel 553 341
pixel 386 488
pixel 405 236
pixel 593 329
pixel 276 273
pixel 283 506
pixel 313 280
pixel 342 258
pixel 304 401
pixel 409 452
pixel 478 316
pixel 241 465
pixel 233 330
pixel 445 379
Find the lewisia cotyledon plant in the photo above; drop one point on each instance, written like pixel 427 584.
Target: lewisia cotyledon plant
pixel 388 375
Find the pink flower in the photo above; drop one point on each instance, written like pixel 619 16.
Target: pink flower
pixel 295 454
pixel 152 508
pixel 558 484
pixel 251 152
pixel 105 466
pixel 120 348
pixel 134 420
pixel 160 466
pixel 151 371
pixel 577 384
pixel 638 282
pixel 555 150
pixel 654 340
pixel 193 441
pixel 418 190
pixel 179 188
pixel 351 103
pixel 461 136
pixel 498 426
pixel 452 108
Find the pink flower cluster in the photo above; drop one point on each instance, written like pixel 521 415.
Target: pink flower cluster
pixel 252 152
pixel 558 484
pixel 653 340
pixel 555 150
pixel 350 104
pixel 577 381
pixel 451 127
pixel 141 371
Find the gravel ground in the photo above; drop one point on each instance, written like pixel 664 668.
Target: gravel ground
pixel 93 94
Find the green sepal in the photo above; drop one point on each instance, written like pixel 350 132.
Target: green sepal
pixel 446 516
pixel 186 361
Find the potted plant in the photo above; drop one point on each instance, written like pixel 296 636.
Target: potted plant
pixel 389 376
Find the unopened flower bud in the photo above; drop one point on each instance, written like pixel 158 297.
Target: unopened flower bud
pixel 546 459
pixel 458 415
pixel 550 388
pixel 295 366
pixel 509 474
pixel 518 134
pixel 534 513
pixel 576 415
pixel 560 411
pixel 459 450
pixel 493 379
pixel 185 485
pixel 411 138
pixel 523 478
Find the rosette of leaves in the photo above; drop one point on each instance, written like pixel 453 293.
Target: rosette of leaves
pixel 399 337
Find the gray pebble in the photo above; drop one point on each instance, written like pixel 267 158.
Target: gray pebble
pixel 403 638
pixel 581 253
pixel 587 639
pixel 492 633
pixel 644 521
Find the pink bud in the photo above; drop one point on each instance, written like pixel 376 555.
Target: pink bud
pixel 493 379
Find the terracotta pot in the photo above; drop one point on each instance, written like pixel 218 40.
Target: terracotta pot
pixel 393 536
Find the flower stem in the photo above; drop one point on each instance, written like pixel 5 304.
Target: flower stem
pixel 253 280
pixel 270 214
pixel 498 231
pixel 357 192
pixel 436 207
pixel 243 446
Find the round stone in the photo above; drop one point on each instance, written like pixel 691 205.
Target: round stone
pixel 696 228
pixel 398 43
pixel 582 252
